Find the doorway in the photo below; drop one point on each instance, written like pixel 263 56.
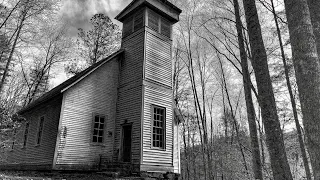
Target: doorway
pixel 126 143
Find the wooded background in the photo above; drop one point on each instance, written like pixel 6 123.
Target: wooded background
pixel 246 79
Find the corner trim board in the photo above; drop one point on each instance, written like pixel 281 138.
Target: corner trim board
pixel 54 164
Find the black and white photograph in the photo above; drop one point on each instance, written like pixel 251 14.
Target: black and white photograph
pixel 160 89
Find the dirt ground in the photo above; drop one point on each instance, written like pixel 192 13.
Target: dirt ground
pixel 36 175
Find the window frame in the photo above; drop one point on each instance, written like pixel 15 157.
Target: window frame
pixel 14 139
pixel 103 130
pixel 153 106
pixel 25 134
pixel 37 141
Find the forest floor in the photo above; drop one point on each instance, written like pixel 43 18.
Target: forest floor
pixel 43 175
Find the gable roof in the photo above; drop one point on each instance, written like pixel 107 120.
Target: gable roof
pixel 69 83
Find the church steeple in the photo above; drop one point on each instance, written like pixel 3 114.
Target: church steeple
pixel 145 89
pixel 158 15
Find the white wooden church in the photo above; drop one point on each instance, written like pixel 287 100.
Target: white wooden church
pixel 117 113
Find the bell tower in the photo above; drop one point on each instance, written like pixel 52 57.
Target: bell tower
pixel 145 98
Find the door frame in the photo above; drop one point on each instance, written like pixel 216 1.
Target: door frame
pixel 122 141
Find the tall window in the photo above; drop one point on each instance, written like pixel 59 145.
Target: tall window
pixel 158 135
pixel 13 138
pixel 98 129
pixel 40 130
pixel 25 136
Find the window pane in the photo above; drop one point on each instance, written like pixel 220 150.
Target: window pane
pixel 95 139
pixel 102 120
pixel 100 133
pixel 96 125
pixel 96 119
pixel 99 139
pixel 101 126
pixel 95 132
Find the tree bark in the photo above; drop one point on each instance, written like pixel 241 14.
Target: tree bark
pixel 256 161
pixel 307 71
pixel 292 99
pixel 19 28
pixel 314 6
pixel 274 139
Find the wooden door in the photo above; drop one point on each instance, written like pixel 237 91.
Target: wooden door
pixel 126 143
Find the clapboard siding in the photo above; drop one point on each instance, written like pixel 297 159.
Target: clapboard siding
pixel 95 94
pixel 129 111
pixel 132 64
pixel 42 154
pixel 129 105
pixel 158 66
pixel 160 97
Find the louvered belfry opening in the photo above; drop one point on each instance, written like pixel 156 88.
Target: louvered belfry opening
pixel 149 18
pixel 145 85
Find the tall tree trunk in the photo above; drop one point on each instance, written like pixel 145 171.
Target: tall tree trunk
pixel 19 27
pixel 186 150
pixel 292 99
pixel 314 7
pixel 279 163
pixel 256 161
pixel 307 71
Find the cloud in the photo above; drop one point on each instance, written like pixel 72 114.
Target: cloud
pixel 77 13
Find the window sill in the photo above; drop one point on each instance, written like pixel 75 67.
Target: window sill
pixel 158 149
pixel 98 144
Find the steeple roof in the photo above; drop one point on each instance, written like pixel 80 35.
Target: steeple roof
pixel 163 7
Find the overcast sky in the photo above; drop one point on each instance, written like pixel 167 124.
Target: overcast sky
pixel 78 12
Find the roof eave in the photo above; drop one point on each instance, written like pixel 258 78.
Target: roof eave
pixel 66 84
pixel 150 3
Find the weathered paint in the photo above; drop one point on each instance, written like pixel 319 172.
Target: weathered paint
pixel 96 94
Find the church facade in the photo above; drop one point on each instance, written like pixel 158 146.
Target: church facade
pixel 117 113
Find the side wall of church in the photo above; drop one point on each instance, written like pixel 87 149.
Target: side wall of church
pixel 34 154
pixel 95 95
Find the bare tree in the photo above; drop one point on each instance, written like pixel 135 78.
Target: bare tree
pixel 27 10
pixel 97 43
pixel 256 161
pixel 52 47
pixel 279 163
pixel 292 99
pixel 307 71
